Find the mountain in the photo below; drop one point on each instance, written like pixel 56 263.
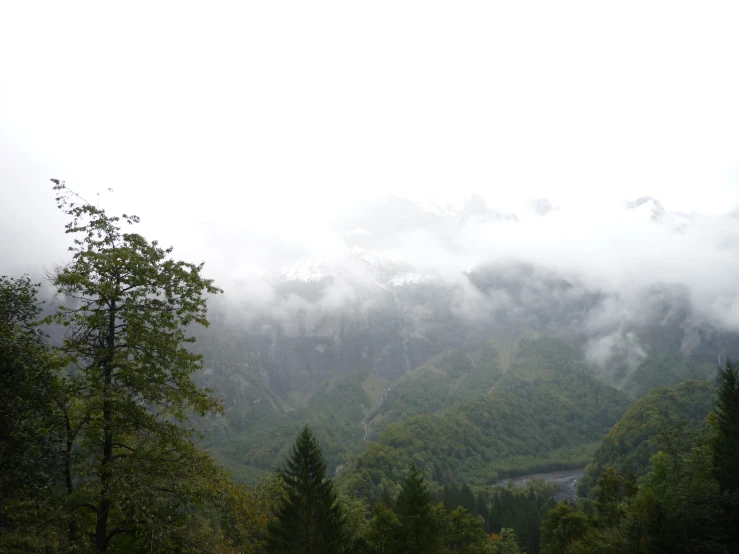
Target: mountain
pixel 650 208
pixel 387 353
pixel 324 328
pixel 509 408
pixel 410 280
pixel 545 413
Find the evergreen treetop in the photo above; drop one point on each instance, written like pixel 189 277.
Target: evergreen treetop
pixel 309 519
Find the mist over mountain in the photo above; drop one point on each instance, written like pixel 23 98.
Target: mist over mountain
pixel 406 280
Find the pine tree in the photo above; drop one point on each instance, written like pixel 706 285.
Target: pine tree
pixel 725 422
pixel 467 497
pixel 309 519
pixel 725 447
pixel 419 519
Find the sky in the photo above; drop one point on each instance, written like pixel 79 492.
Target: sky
pixel 262 122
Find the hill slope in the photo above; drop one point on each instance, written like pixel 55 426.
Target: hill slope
pixel 630 443
pixel 449 378
pixel 547 411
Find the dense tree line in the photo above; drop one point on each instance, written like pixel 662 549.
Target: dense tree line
pixel 498 508
pixel 311 517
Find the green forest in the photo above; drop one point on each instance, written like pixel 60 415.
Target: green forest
pixel 144 428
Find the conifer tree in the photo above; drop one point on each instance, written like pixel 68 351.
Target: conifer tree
pixel 309 519
pixel 725 422
pixel 725 447
pixel 418 517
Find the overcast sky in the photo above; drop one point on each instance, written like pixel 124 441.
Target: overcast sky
pixel 265 119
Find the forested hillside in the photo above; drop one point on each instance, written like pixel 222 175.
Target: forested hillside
pixel 546 412
pixel 686 498
pixel 449 378
pixel 630 444
pixel 258 426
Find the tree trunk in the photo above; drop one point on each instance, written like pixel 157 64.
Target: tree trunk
pixel 73 528
pixel 101 527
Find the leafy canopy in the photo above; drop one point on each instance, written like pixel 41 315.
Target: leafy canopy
pixel 132 472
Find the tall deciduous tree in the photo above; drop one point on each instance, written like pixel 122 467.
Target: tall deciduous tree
pixel 464 533
pixel 309 519
pixel 506 543
pixel 384 531
pixel 132 472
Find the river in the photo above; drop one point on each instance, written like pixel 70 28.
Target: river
pixel 565 480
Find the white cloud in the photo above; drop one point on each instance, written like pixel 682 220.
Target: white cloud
pixel 241 132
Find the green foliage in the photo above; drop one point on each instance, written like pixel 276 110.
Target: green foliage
pixel 133 475
pixel 562 526
pixel 495 508
pixel 448 379
pixel 676 507
pixel 260 427
pixel 356 515
pixel 463 533
pixel 28 425
pixel 309 518
pixel 725 423
pixel 541 414
pixel 506 544
pixel 383 533
pixel 629 445
pixel 418 517
pixel 245 514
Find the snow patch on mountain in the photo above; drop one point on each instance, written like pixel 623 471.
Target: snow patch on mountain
pixel 307 270
pixel 410 278
pixel 647 208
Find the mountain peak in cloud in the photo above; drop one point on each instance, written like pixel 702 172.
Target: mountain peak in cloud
pixel 475 206
pixel 651 208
